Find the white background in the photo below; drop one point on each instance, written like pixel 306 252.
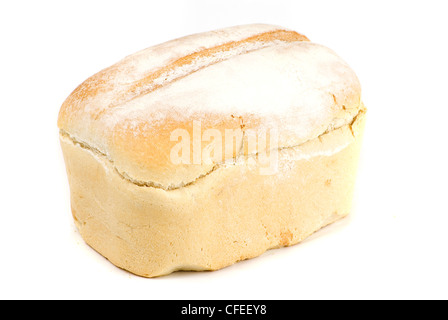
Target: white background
pixel 393 246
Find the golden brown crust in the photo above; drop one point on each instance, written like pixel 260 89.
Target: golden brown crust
pixel 152 216
pixel 101 82
pixel 129 110
pixel 146 85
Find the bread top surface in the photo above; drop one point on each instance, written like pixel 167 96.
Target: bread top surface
pixel 247 80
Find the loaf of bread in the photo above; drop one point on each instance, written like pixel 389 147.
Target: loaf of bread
pixel 213 148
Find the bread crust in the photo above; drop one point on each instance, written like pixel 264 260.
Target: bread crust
pixel 230 215
pixel 151 216
pixel 128 111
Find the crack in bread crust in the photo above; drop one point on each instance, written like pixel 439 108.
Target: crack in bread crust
pixel 151 184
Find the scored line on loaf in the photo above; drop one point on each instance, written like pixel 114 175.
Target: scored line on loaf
pixel 193 62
